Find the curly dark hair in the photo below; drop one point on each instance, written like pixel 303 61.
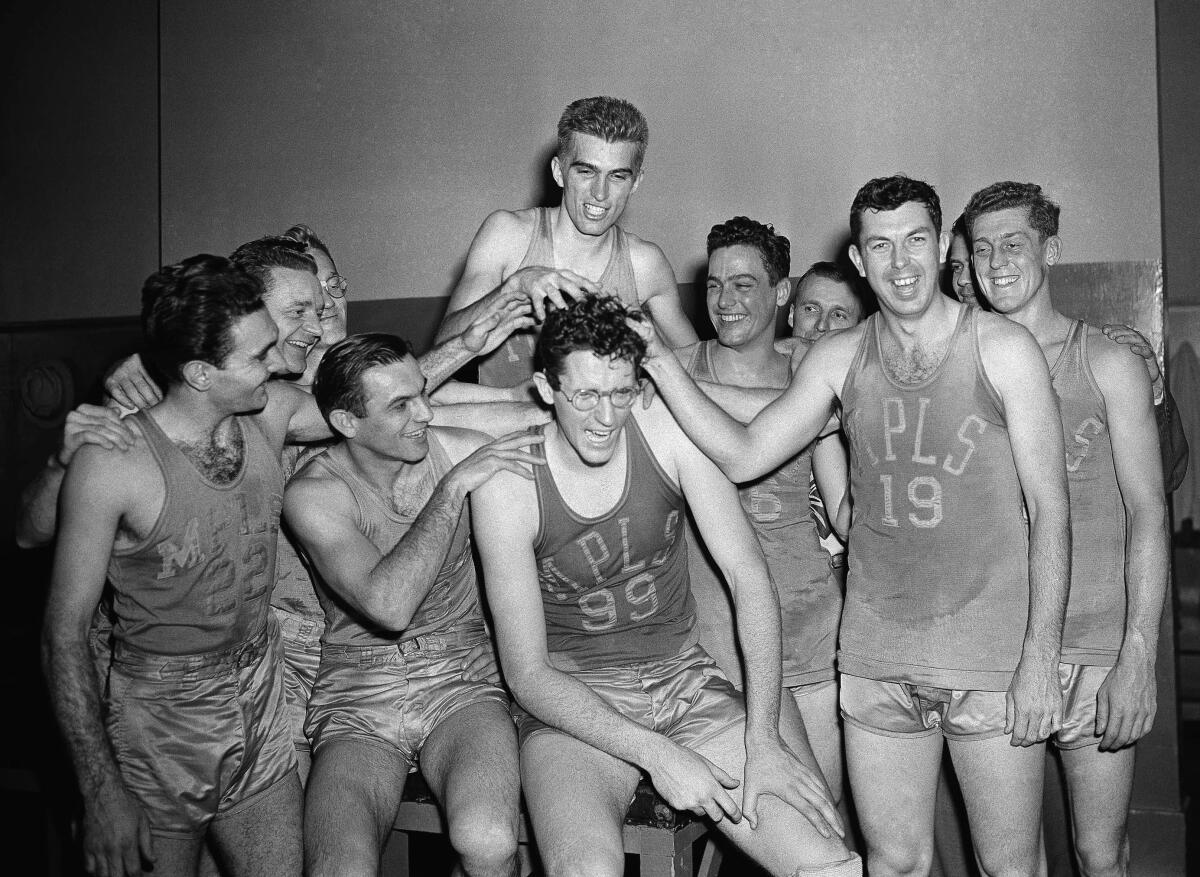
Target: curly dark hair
pixel 260 256
pixel 1042 212
pixel 595 323
pixel 189 308
pixel 338 383
pixel 609 118
pixel 775 249
pixel 891 193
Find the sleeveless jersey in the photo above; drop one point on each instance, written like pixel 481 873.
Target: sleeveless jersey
pixel 294 591
pixel 454 596
pixel 810 599
pixel 938 591
pixel 1095 621
pixel 512 362
pixel 615 587
pixel 201 579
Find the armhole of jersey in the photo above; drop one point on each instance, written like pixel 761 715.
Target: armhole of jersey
pixel 1085 366
pixel 639 437
pixel 152 443
pixel 993 393
pixel 859 356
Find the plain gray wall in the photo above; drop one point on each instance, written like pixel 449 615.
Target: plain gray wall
pixel 393 129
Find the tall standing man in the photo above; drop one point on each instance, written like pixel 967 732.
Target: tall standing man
pixel 577 247
pixel 1119 529
pixel 955 599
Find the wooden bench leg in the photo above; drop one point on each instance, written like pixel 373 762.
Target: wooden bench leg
pixel 710 860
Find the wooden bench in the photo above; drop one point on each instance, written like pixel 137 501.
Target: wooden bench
pixel 663 839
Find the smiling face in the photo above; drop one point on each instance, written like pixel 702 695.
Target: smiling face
pixel 239 384
pixel 293 299
pixel 333 310
pixel 958 263
pixel 593 434
pixel 740 296
pixel 900 254
pixel 597 177
pixel 396 424
pixel 1011 259
pixel 824 307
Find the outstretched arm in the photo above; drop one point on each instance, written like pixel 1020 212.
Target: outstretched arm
pixel 1126 702
pixel 116 833
pixel 660 295
pixel 1018 370
pixel 504 519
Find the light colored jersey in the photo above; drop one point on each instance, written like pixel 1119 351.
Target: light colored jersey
pixel 512 362
pixel 384 520
pixel 938 590
pixel 294 591
pixel 615 587
pixel 1096 606
pixel 201 579
pixel 810 599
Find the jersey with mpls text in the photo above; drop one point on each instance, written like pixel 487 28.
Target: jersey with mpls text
pixel 938 590
pixel 454 595
pixel 201 580
pixel 512 362
pixel 1096 605
pixel 615 587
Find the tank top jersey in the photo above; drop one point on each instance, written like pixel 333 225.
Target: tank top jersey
pixel 454 596
pixel 615 587
pixel 1095 619
pixel 512 362
pixel 201 580
pixel 294 591
pixel 810 599
pixel 937 591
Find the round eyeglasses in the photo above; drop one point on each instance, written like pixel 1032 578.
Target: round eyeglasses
pixel 336 285
pixel 586 400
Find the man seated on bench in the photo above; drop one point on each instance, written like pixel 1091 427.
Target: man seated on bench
pixel 407 668
pixel 586 572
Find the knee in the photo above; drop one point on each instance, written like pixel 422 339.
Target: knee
pixel 900 861
pixel 486 845
pixel 1102 857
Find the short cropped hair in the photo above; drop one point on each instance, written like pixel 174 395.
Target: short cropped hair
pixel 774 249
pixel 891 193
pixel 338 383
pixel 836 273
pixel 595 323
pixel 189 309
pixel 1042 212
pixel 260 256
pixel 305 236
pixel 610 118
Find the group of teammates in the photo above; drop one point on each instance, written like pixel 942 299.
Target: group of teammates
pixel 185 731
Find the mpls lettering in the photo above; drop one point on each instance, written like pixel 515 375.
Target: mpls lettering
pixel 901 421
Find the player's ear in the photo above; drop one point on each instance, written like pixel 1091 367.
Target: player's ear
pixel 542 385
pixel 637 179
pixel 792 316
pixel 1053 249
pixel 196 374
pixel 343 422
pixel 783 291
pixel 856 258
pixel 556 171
pixel 943 246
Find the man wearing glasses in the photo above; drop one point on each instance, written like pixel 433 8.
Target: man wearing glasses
pixel 587 577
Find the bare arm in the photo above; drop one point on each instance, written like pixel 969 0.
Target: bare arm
pixel 504 519
pixel 502 238
pixel 778 433
pixel 1018 370
pixel 831 469
pixel 116 832
pixel 37 517
pixel 493 418
pixel 459 392
pixel 389 588
pixel 660 294
pixel 1126 701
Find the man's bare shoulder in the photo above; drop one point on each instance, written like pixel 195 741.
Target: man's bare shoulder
pixel 314 494
pixel 684 354
pixel 459 441
pixel 651 269
pixel 120 474
pixel 999 330
pixel 504 231
pixel 662 432
pixel 284 399
pixel 1115 366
